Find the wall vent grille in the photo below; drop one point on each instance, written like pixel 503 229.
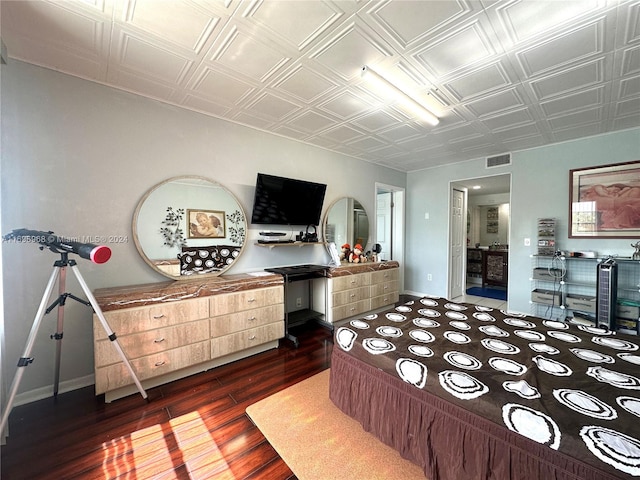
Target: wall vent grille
pixel 499 160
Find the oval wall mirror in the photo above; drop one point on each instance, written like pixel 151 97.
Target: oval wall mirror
pixel 346 221
pixel 189 226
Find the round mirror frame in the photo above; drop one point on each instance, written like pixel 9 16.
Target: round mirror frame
pixel 154 265
pixel 326 219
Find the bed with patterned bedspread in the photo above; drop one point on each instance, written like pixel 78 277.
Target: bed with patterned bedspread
pixel 470 392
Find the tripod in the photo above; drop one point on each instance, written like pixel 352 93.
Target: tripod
pixel 60 273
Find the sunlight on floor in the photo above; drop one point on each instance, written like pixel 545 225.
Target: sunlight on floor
pixel 157 451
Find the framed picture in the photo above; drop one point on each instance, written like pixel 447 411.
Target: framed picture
pixel 604 202
pixel 206 224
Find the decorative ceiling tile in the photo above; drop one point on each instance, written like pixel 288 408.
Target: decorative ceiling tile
pixel 501 75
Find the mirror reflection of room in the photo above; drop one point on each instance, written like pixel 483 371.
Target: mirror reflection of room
pixel 347 222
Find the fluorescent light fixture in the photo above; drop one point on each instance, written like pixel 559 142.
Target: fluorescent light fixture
pixel 390 90
pixel 476 187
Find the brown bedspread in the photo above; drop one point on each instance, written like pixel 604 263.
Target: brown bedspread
pixel 471 392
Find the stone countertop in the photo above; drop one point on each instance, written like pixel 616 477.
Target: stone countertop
pixel 353 268
pixel 115 298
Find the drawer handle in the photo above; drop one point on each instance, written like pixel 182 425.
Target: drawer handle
pixel 352 309
pixel 159 340
pixel 252 319
pixel 251 300
pixel 159 364
pixel 386 288
pixel 156 317
pixel 353 281
pixel 353 295
pixel 252 337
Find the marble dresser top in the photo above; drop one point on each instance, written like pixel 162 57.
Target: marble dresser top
pixel 353 268
pixel 116 298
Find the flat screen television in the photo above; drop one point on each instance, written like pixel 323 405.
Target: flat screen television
pixel 287 201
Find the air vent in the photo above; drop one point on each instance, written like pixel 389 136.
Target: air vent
pixel 499 160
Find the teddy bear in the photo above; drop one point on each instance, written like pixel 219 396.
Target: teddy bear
pixel 356 255
pixel 345 250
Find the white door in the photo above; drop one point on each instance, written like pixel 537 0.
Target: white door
pixel 390 225
pixel 458 245
pixel 384 222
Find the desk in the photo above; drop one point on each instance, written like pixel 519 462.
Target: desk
pixel 297 273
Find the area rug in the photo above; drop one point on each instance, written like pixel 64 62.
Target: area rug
pixel 319 442
pixel 487 293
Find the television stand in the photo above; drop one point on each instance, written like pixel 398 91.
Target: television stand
pixel 297 273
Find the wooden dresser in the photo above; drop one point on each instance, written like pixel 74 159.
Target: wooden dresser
pixel 171 330
pixel 353 289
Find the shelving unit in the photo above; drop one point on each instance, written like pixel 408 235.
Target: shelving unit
pixel 289 244
pixel 564 288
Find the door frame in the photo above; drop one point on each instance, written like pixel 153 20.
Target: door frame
pixel 397 225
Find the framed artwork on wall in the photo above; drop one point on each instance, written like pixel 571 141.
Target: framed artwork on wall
pixel 206 224
pixel 604 201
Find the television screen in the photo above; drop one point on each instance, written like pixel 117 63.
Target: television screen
pixel 286 201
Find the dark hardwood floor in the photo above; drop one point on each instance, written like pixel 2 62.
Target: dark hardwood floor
pixel 194 428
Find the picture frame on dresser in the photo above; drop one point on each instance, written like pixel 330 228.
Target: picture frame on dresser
pixel 604 201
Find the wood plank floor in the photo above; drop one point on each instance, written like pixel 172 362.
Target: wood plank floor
pixel 195 428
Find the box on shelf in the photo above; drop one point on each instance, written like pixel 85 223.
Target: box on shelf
pixel 585 303
pixel 548 297
pixel 628 326
pixel 549 274
pixel 628 311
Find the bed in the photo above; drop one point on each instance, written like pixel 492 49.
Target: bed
pixel 469 392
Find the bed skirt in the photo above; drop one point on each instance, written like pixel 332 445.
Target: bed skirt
pixel 447 441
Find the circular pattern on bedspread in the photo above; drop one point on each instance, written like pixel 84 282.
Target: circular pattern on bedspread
pixel 499 346
pixel 420 350
pixel 456 316
pixel 544 348
pixel 455 306
pixel 359 324
pixel 378 346
pixel 522 388
pixel 591 355
pixel 615 448
pixel 518 322
pixel 530 335
pixel 555 324
pixel 629 357
pixel 425 323
pixel 427 312
pixel 345 338
pixel 388 331
pixel 484 317
pixel 429 302
pixel 460 325
pixel 462 385
pixel 506 365
pixel 395 317
pixel 412 371
pixel 617 343
pixel 493 331
pixel 456 337
pixel 564 336
pixel 404 309
pixel 422 336
pixel 552 367
pixel 532 424
pixel 617 379
pixel 584 403
pixel 594 330
pixel 462 360
pixel 630 404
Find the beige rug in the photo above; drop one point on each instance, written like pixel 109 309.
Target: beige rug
pixel 318 442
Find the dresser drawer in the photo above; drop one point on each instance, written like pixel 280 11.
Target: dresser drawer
pixel 234 342
pixel 384 276
pixel 139 319
pixel 349 296
pixel 117 375
pixel 384 300
pixel 351 309
pixel 245 300
pixel 350 281
pixel 384 288
pixel 236 322
pixel 151 341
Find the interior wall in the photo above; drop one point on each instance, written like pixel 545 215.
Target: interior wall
pixel 539 189
pixel 77 157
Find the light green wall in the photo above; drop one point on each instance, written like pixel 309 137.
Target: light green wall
pixel 76 159
pixel 539 188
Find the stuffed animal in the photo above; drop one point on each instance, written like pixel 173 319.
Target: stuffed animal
pixel 344 252
pixel 356 255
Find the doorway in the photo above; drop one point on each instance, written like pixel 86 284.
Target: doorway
pixel 479 213
pixel 389 225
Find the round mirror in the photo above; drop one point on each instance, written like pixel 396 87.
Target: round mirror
pixel 189 226
pixel 346 221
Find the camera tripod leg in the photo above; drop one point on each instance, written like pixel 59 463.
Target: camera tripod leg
pixel 107 329
pixel 25 360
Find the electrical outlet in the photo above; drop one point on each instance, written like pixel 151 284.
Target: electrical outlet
pixel 429 277
pixel 299 302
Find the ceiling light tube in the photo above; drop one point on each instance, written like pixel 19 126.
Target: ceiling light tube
pixel 394 92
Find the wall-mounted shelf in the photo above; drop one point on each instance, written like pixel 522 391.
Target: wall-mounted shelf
pixel 289 244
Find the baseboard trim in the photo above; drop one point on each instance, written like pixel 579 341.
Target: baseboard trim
pixel 47 391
